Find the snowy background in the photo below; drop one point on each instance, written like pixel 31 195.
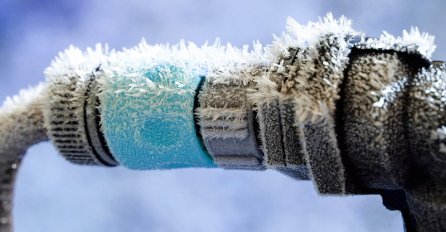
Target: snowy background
pixel 54 195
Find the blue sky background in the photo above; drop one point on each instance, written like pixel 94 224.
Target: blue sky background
pixel 54 195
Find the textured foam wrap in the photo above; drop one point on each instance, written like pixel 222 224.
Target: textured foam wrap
pixel 153 127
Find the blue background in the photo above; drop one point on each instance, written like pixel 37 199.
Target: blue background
pixel 54 195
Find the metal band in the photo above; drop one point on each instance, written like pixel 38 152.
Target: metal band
pixel 292 144
pixel 71 120
pixel 228 126
pixel 281 140
pixel 94 134
pixel 233 152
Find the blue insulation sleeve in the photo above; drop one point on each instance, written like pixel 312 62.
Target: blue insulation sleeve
pixel 148 119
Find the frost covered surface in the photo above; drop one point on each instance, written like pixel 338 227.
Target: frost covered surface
pixel 147 109
pixel 69 78
pixel 412 41
pixel 75 62
pixel 21 126
pixel 307 69
pixel 428 110
pixel 303 67
pixel 148 93
pixel 301 36
pixel 289 74
pixel 210 59
pixel 121 23
pixel 157 81
pixel 308 63
pixel 21 121
pixel 22 100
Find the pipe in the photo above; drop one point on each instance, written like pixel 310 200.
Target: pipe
pixel 353 114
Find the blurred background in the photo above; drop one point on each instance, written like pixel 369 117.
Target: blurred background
pixel 54 195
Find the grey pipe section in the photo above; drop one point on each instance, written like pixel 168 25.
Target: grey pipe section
pixel 21 126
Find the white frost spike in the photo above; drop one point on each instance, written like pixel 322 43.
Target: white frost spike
pixel 440 134
pixel 75 61
pixel 298 35
pixel 413 42
pixel 22 100
pixel 424 41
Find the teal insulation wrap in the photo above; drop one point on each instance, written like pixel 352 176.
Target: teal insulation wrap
pixel 148 118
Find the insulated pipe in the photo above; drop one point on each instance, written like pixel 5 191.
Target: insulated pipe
pixel 21 126
pixel 356 115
